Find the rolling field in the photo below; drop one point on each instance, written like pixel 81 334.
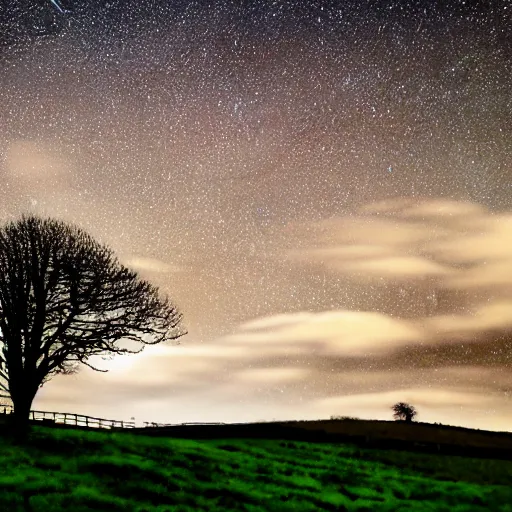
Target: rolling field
pixel 74 470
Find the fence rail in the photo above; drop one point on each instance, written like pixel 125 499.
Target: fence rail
pixel 153 424
pixel 66 418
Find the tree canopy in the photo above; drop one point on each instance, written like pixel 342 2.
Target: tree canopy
pixel 404 412
pixel 64 298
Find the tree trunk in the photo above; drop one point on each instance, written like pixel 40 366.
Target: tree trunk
pixel 19 422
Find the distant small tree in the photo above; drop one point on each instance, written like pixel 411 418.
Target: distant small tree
pixel 404 412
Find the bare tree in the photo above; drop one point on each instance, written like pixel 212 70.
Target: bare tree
pixel 64 298
pixel 404 412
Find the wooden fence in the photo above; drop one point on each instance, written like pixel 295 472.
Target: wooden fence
pixel 80 420
pixel 66 418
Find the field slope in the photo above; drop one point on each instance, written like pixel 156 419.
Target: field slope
pixel 63 469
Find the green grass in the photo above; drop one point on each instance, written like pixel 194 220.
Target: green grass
pixel 74 470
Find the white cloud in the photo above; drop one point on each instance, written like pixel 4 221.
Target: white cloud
pixel 270 376
pixel 151 265
pixel 342 333
pixel 489 317
pixel 397 267
pixel 445 209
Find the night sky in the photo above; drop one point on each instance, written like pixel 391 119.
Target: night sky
pixel 323 188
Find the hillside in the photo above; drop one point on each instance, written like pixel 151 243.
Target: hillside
pixel 62 469
pixel 382 434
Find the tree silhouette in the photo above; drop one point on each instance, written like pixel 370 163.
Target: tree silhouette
pixel 404 412
pixel 63 298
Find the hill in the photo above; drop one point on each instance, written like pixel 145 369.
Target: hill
pixel 370 433
pixel 77 470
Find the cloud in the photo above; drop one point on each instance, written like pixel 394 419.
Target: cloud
pixel 270 376
pixel 401 238
pixel 496 316
pixel 400 268
pixel 371 230
pixel 342 333
pixel 437 245
pixel 490 240
pixel 170 383
pixel 152 265
pixel 269 323
pixel 443 209
pixel 171 363
pixel 159 371
pixel 347 253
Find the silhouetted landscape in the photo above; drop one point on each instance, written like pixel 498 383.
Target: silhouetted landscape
pixel 214 213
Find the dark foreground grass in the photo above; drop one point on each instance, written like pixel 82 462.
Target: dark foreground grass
pixel 79 471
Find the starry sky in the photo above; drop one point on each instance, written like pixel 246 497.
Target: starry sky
pixel 323 188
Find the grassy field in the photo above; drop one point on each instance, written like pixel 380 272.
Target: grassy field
pixel 75 470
